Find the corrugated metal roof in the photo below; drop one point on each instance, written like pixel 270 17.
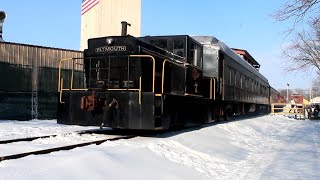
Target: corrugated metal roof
pixel 38 46
pixel 29 55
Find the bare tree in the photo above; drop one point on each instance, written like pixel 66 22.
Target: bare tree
pixel 303 92
pixel 298 10
pixel 304 50
pixel 316 83
pixel 283 92
pixel 315 88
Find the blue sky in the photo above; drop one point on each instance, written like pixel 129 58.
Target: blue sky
pixel 245 24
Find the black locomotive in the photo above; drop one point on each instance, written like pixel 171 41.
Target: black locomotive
pixel 159 82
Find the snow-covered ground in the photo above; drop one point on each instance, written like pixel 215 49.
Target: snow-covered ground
pixel 267 147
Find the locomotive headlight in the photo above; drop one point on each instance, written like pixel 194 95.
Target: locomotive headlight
pixel 109 41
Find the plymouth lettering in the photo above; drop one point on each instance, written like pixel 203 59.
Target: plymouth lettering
pixel 111 48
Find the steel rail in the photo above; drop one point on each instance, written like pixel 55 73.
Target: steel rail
pixel 68 147
pixel 92 131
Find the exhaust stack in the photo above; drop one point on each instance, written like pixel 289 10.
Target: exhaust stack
pixel 125 24
pixel 2 17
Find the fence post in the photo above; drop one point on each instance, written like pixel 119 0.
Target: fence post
pixel 34 95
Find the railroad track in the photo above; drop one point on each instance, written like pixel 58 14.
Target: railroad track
pixel 92 131
pixel 60 148
pixel 121 134
pixel 132 134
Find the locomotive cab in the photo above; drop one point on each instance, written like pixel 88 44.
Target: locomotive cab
pixel 184 49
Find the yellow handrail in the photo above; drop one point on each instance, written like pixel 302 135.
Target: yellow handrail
pixel 214 88
pixel 59 73
pixel 72 76
pixel 140 80
pixel 60 91
pixel 153 68
pixel 163 66
pixel 210 88
pixel 60 80
pixel 195 95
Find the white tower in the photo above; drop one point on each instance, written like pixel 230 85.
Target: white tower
pixel 103 18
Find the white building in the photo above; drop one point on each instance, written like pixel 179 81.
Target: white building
pixel 315 100
pixel 103 18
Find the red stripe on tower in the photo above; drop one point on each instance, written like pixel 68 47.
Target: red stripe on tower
pixel 87 5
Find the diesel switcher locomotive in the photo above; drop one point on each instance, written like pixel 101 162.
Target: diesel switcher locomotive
pixel 159 82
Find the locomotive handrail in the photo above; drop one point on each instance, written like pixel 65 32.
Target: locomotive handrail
pixel 60 80
pixel 122 89
pixel 60 91
pixel 191 65
pixel 140 80
pixel 72 76
pixel 162 56
pixel 163 65
pixel 214 88
pixel 59 72
pixel 195 95
pixel 153 67
pixel 210 88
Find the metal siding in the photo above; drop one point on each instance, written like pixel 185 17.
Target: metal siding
pixel 24 68
pixel 23 54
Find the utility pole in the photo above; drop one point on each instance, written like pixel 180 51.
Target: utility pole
pixel 288 92
pixel 310 94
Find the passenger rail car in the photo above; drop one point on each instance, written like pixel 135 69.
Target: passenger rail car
pixel 241 88
pixel 159 82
